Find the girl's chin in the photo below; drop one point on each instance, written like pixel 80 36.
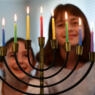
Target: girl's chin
pixel 20 74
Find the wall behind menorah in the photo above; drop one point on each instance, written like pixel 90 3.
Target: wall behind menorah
pixel 9 7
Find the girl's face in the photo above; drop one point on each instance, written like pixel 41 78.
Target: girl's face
pixel 22 59
pixel 73 30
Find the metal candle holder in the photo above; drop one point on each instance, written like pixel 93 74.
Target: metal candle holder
pixel 79 50
pixel 41 41
pixel 3 51
pixel 54 44
pixel 15 47
pixel 92 56
pixel 67 47
pixel 28 44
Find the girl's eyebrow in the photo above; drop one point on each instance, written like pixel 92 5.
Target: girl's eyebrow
pixel 74 19
pixel 58 21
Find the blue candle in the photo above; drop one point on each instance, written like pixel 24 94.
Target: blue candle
pixel 80 32
pixel 3 32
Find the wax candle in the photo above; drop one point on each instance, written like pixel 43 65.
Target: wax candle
pixel 92 38
pixel 28 23
pixel 3 31
pixel 80 31
pixel 41 22
pixel 15 28
pixel 53 27
pixel 66 26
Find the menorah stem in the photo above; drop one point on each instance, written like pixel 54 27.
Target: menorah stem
pixel 41 45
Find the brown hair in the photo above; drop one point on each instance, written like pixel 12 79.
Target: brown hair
pixel 73 10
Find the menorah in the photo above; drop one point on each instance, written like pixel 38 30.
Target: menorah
pixel 41 69
pixel 54 45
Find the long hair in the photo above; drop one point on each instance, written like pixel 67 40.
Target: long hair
pixel 58 12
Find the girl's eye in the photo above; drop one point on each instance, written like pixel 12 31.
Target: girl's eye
pixel 75 23
pixel 60 25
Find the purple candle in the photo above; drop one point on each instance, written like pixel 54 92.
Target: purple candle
pixel 92 38
pixel 80 32
pixel 92 43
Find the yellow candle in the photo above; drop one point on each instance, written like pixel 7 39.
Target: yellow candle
pixel 28 24
pixel 53 27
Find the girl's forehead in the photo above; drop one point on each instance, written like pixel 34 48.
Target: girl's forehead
pixel 21 46
pixel 70 17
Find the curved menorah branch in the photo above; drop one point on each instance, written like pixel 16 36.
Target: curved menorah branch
pixel 16 88
pixel 17 77
pixel 74 85
pixel 59 69
pixel 44 69
pixel 68 75
pixel 23 70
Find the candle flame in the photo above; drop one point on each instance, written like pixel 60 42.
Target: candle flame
pixel 52 12
pixel 92 26
pixel 41 9
pixel 80 22
pixel 66 16
pixel 28 10
pixel 15 18
pixel 3 21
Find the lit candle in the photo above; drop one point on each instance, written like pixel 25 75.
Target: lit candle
pixel 41 22
pixel 28 24
pixel 66 26
pixel 3 31
pixel 92 38
pixel 15 28
pixel 53 27
pixel 80 31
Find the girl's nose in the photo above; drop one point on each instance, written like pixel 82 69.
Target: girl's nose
pixel 70 27
pixel 20 59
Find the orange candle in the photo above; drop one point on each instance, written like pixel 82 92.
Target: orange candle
pixel 41 22
pixel 28 24
pixel 53 27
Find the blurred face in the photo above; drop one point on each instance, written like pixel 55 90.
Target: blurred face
pixel 73 30
pixel 22 59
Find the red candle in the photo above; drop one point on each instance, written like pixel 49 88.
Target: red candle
pixel 41 22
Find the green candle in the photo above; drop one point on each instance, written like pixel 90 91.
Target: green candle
pixel 15 28
pixel 66 27
pixel 66 24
